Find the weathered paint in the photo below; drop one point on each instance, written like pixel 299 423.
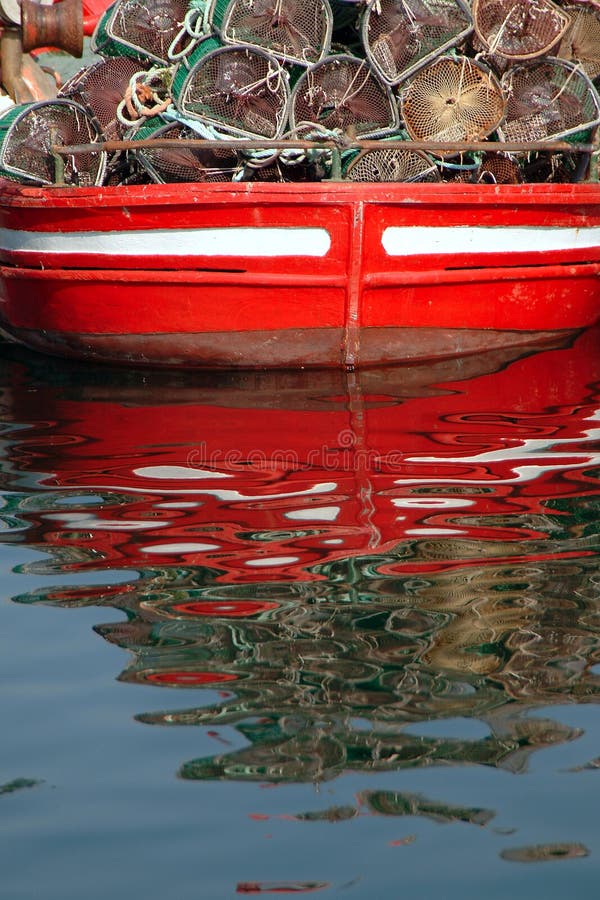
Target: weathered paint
pixel 289 275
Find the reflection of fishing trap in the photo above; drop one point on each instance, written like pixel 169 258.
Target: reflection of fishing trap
pixel 341 92
pixel 28 133
pixel 100 89
pixel 519 29
pixel 293 30
pixel 452 100
pixel 581 42
pixel 391 164
pixel 400 36
pixel 144 29
pixel 239 90
pixel 547 99
pixel 184 163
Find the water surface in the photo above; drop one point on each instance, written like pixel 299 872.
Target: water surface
pixel 302 632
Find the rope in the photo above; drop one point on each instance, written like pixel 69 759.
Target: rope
pixel 196 25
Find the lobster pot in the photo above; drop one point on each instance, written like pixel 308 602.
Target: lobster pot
pixel 452 99
pixel 295 31
pixel 188 62
pixel 143 29
pixel 493 61
pixel 242 91
pixel 28 133
pixel 548 99
pixel 100 88
pixel 185 163
pixel 402 36
pixel 216 13
pixel 519 29
pixel 99 41
pixel 278 172
pixel 342 93
pixel 581 42
pixel 498 168
pixel 391 164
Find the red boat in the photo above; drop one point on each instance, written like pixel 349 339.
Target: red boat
pixel 319 274
pixel 330 273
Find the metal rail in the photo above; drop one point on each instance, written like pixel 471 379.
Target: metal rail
pixel 328 144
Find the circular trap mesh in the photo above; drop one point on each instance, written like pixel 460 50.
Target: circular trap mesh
pixel 581 42
pixel 142 28
pixel 28 133
pixel 392 164
pixel 240 90
pixel 342 93
pixel 548 99
pixel 452 100
pixel 519 29
pixel 401 36
pixel 498 168
pixel 183 163
pixel 293 30
pixel 100 88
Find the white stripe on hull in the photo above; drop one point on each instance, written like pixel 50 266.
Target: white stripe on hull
pixel 242 242
pixel 411 240
pixel 415 240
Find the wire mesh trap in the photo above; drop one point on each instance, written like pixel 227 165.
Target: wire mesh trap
pixel 519 29
pixel 242 91
pixel 452 100
pixel 296 31
pixel 278 172
pixel 28 133
pixel 581 42
pixel 100 89
pixel 144 29
pixel 391 164
pixel 499 168
pixel 341 93
pixel 554 168
pixel 185 163
pixel 548 99
pixel 401 36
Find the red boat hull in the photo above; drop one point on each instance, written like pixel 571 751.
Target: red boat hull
pixel 292 275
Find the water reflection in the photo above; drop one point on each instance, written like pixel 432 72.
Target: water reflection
pixel 343 557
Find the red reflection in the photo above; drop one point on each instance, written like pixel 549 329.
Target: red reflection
pixel 228 609
pixel 181 679
pixel 268 476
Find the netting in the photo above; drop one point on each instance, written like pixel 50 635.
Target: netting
pixel 331 73
pixel 498 168
pixel 452 100
pixel 277 171
pixel 100 89
pixel 341 93
pixel 548 99
pixel 293 30
pixel 28 133
pixel 392 164
pixel 401 36
pixel 581 42
pixel 145 30
pixel 185 163
pixel 240 90
pixel 519 29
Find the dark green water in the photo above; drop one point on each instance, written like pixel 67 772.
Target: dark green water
pixel 301 632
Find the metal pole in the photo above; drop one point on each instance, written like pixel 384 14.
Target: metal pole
pixel 242 144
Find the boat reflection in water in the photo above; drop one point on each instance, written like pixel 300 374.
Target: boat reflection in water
pixel 342 556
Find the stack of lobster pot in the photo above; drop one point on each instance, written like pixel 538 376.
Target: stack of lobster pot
pixel 328 73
